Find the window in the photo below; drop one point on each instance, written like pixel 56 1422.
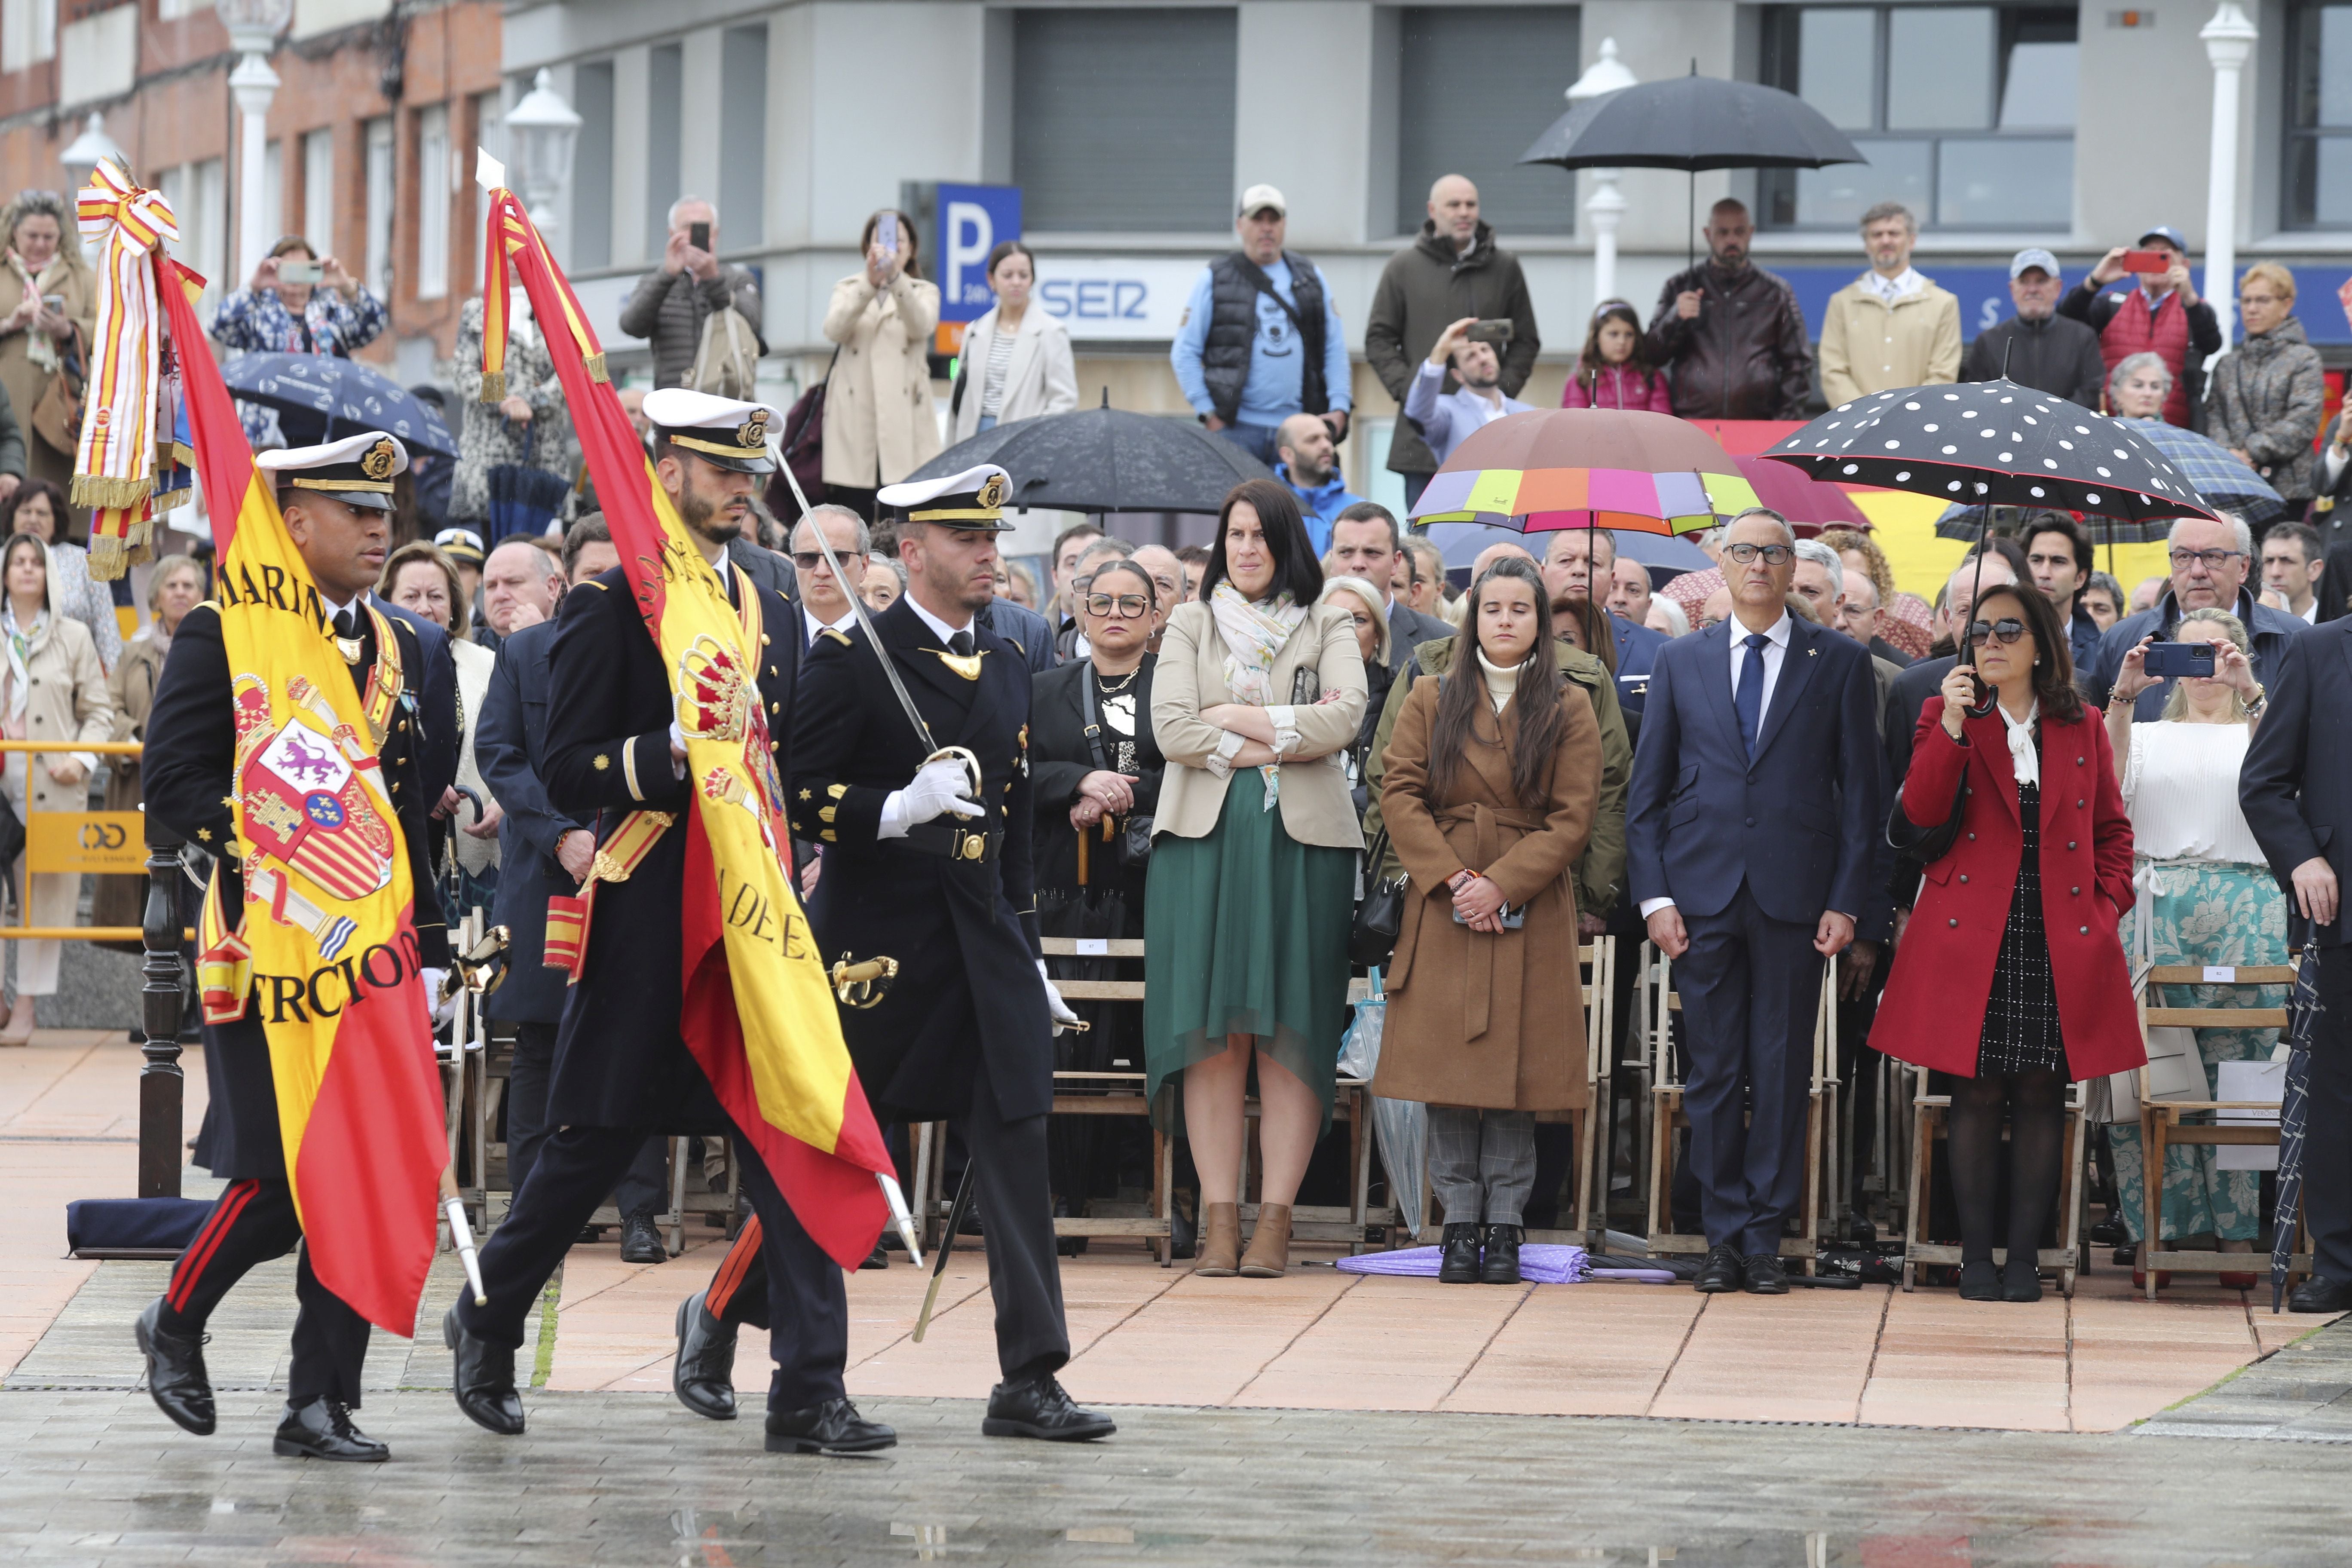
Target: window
pixel 199 198
pixel 1124 119
pixel 319 191
pixel 2319 171
pixel 1516 54
pixel 1966 113
pixel 591 167
pixel 743 136
pixel 380 193
pixel 28 33
pixel 664 91
pixel 433 201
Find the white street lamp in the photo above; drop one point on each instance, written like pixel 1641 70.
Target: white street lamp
pixel 86 152
pixel 253 28
pixel 541 133
pixel 1606 206
pixel 2228 44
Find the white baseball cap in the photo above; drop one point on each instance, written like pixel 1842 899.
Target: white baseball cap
pixel 1257 199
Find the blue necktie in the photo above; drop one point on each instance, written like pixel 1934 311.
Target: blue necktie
pixel 1747 697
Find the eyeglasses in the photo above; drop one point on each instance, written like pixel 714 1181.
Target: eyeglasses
pixel 2211 559
pixel 1127 607
pixel 2006 630
pixel 1774 554
pixel 808 560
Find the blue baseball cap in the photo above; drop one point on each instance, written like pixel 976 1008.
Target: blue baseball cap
pixel 2170 235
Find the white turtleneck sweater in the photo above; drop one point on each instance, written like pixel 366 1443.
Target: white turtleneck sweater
pixel 1501 681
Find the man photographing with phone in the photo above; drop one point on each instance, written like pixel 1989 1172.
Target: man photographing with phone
pixel 2161 315
pixel 2210 564
pixel 1473 350
pixel 671 303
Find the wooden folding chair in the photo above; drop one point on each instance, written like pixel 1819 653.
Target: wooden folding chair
pixel 1667 1115
pixel 2161 1124
pixel 1933 1111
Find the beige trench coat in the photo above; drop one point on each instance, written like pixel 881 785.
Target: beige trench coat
pixel 69 277
pixel 879 421
pixel 1495 1021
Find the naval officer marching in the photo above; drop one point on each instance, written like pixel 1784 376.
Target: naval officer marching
pixel 337 502
pixel 622 1070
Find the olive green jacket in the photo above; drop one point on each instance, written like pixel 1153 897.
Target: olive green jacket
pixel 1600 869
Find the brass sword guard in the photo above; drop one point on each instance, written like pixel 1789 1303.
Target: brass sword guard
pixel 862 985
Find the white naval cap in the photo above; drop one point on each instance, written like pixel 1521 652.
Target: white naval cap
pixel 728 432
pixel 973 499
pixel 356 471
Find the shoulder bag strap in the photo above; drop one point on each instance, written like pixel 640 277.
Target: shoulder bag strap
pixel 1094 719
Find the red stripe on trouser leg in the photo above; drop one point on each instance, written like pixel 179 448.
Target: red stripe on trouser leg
pixel 200 1252
pixel 732 1267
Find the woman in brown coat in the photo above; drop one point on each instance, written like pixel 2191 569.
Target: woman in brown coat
pixel 42 263
pixel 1493 782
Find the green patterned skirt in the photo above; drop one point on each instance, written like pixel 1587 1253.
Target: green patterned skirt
pixel 1246 933
pixel 2205 912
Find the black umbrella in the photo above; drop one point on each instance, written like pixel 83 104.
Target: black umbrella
pixel 2294 1113
pixel 1106 459
pixel 1693 122
pixel 331 393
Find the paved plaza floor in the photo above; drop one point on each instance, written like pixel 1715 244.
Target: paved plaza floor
pixel 1320 1417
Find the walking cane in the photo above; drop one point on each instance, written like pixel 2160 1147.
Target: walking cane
pixel 956 1211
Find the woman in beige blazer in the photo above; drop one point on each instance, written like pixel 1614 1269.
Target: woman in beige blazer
pixel 1038 376
pixel 42 261
pixel 52 688
pixel 1256 695
pixel 880 424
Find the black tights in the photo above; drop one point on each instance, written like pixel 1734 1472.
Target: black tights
pixel 2036 1103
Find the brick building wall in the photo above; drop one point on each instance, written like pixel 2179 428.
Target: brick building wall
pixel 178 117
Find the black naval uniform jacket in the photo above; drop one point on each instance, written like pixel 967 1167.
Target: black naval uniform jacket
pixel 188 769
pixel 963 928
pixel 620 1061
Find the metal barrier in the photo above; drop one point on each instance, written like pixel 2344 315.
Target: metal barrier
pixel 70 842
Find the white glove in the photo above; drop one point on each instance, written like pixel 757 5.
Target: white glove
pixel 1053 1003
pixel 439 1011
pixel 936 787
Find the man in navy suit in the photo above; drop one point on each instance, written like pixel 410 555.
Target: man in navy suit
pixel 2295 788
pixel 1751 827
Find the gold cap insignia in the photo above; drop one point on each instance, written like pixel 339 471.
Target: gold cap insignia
pixel 994 491
pixel 753 432
pixel 377 464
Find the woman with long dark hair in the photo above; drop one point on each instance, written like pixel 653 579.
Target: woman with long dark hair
pixel 1613 371
pixel 1257 692
pixel 2010 977
pixel 1492 784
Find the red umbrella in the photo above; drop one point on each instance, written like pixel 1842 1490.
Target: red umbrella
pixel 1810 505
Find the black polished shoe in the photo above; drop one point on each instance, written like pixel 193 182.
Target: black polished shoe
pixel 1501 1266
pixel 832 1427
pixel 1980 1281
pixel 877 1259
pixel 175 1372
pixel 1763 1274
pixel 1720 1273
pixel 1038 1408
pixel 703 1376
pixel 641 1240
pixel 2320 1294
pixel 322 1428
pixel 1459 1264
pixel 2021 1280
pixel 484 1380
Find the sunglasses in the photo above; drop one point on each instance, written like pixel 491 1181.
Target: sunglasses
pixel 2006 630
pixel 810 560
pixel 1127 607
pixel 1774 554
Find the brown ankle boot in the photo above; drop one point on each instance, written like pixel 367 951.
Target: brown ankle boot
pixel 1269 1247
pixel 1218 1255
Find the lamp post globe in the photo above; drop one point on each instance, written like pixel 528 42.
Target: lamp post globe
pixel 541 131
pixel 83 154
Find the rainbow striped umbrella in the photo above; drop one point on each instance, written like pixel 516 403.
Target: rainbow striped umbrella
pixel 1587 468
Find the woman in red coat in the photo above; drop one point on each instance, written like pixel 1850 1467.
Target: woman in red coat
pixel 2010 976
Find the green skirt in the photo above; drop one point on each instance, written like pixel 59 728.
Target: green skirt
pixel 1246 933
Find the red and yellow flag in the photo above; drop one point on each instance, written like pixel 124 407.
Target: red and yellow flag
pixel 757 1011
pixel 327 919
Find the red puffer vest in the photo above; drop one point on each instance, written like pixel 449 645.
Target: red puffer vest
pixel 2135 329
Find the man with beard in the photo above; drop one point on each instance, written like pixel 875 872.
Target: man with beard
pixel 1311 467
pixel 1446 417
pixel 1731 333
pixel 622 1071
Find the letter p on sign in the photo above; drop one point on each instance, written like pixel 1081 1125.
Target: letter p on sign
pixel 971 235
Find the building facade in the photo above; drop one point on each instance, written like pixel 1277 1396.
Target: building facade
pixel 370 135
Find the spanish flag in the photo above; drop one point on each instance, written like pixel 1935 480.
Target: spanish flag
pixel 757 1011
pixel 327 921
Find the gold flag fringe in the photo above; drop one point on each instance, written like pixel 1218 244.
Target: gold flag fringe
pixel 119 494
pixel 597 371
pixel 494 386
pixel 110 557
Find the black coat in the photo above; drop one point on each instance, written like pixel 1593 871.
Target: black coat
pixel 619 1059
pixel 1059 757
pixel 437 698
pixel 2057 354
pixel 510 746
pixel 964 931
pixel 2295 784
pixel 189 770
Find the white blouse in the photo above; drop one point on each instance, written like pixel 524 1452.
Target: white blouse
pixel 2181 788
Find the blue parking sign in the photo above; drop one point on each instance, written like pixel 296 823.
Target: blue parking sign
pixel 973 221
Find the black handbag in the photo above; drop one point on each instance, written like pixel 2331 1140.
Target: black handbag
pixel 1133 847
pixel 1919 846
pixel 1380 913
